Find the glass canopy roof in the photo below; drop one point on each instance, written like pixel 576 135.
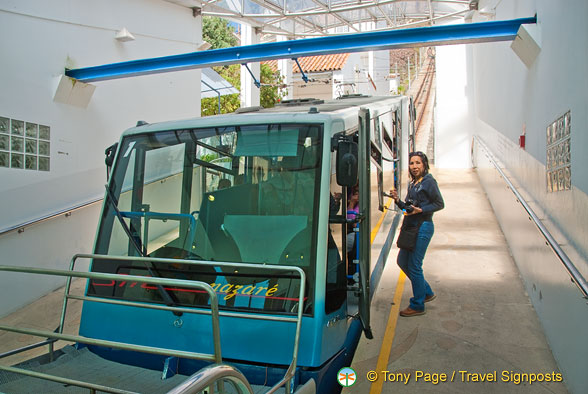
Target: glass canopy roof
pixel 212 84
pixel 311 18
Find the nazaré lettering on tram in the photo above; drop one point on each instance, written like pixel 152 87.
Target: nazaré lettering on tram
pixel 228 290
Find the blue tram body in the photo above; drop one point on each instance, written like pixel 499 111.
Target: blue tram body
pixel 211 198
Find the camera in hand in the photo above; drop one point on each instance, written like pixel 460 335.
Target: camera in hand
pixel 408 207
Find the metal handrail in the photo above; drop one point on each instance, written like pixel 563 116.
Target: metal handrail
pixel 210 375
pixel 28 347
pixel 119 345
pixel 71 382
pixel 292 367
pixel 162 281
pixel 577 277
pixel 216 357
pixel 20 227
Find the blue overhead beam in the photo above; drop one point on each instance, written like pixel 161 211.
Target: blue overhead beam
pixel 360 42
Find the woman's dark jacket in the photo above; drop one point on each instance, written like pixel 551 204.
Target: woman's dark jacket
pixel 426 196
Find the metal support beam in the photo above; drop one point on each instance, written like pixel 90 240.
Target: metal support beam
pixel 218 93
pixel 329 10
pixel 431 12
pixel 255 81
pixel 360 42
pixel 304 77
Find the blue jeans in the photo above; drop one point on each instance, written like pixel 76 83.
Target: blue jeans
pixel 411 264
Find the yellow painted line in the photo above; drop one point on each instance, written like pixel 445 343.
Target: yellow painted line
pixel 375 230
pixel 384 356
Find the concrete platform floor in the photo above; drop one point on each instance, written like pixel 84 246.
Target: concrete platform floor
pixel 481 323
pixel 43 314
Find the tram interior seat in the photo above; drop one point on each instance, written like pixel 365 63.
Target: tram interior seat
pixel 280 232
pixel 236 200
pixel 290 194
pixel 263 239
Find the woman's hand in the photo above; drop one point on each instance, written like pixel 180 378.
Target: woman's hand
pixel 394 195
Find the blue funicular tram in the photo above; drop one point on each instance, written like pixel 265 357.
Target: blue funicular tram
pixel 236 218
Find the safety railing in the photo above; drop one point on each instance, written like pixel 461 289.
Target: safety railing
pixel 48 342
pixel 58 335
pixel 577 277
pixel 286 380
pixel 67 212
pixel 209 376
pixel 69 382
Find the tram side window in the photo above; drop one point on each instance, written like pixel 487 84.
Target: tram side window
pixel 396 135
pixel 388 180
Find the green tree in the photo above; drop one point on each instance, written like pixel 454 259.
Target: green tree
pixel 272 89
pixel 230 102
pixel 219 34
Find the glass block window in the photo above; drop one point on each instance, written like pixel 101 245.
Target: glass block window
pixel 24 145
pixel 559 157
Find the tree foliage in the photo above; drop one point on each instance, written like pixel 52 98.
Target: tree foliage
pixel 219 34
pixel 230 102
pixel 272 89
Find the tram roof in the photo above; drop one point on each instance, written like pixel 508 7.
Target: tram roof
pixel 297 111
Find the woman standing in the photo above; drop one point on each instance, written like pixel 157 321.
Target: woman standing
pixel 422 200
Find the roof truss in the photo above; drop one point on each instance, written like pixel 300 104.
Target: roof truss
pixel 312 18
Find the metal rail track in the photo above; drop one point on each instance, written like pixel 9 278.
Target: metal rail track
pixel 423 94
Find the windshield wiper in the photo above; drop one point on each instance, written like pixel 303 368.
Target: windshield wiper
pixel 137 244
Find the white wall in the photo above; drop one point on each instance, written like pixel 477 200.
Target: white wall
pixel 556 299
pixel 285 69
pixel 346 80
pixel 379 70
pixel 356 69
pixel 509 97
pixel 453 112
pixel 250 94
pixel 38 40
pixel 485 89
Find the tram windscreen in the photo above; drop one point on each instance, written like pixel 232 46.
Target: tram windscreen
pixel 235 194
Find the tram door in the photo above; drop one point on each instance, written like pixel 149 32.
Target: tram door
pixel 346 212
pixel 343 243
pixel 349 243
pixel 364 171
